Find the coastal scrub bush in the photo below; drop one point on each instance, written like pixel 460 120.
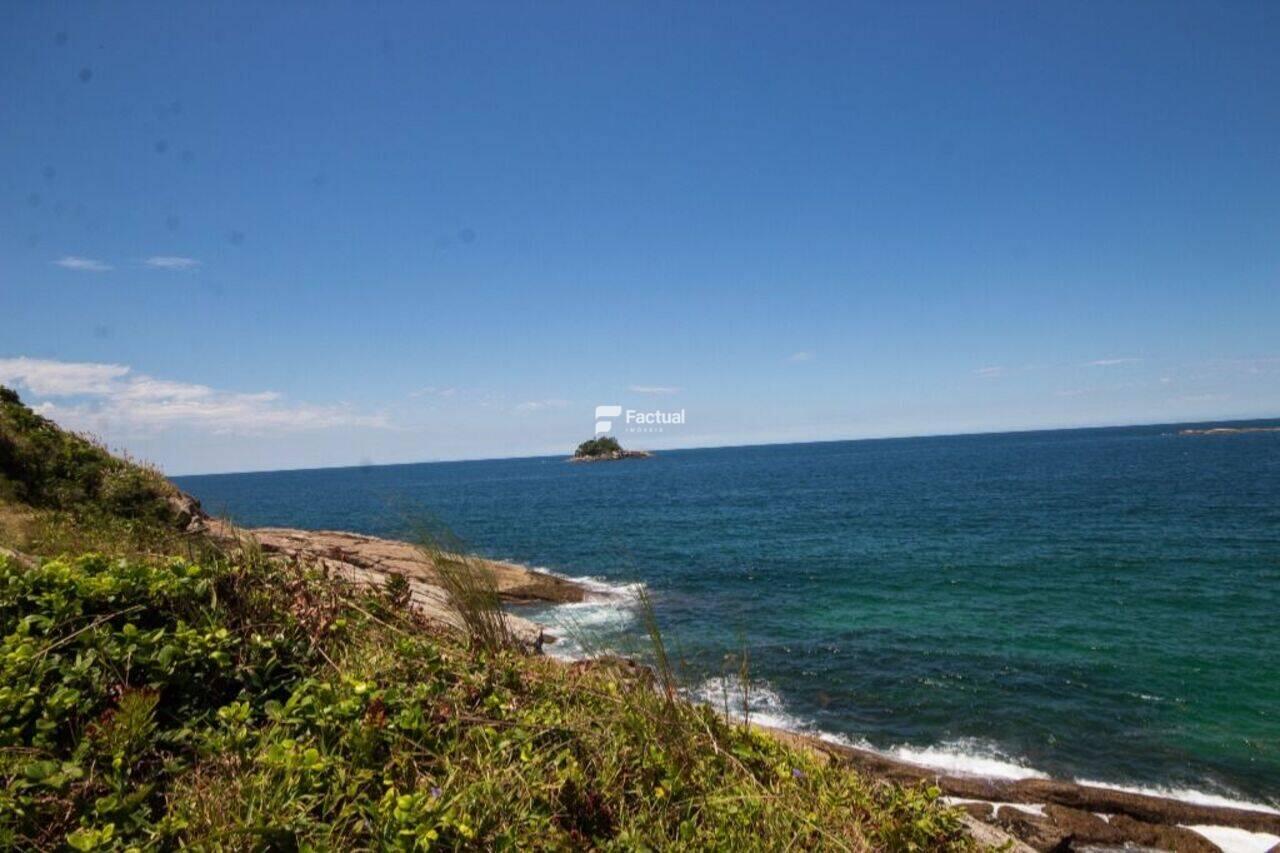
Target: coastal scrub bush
pixel 238 703
pixel 108 670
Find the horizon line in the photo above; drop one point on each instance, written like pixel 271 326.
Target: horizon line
pixel 1015 431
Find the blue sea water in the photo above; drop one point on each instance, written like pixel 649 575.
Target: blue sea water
pixel 1095 604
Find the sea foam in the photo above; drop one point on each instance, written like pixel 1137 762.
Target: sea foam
pixel 600 623
pixel 758 702
pixel 597 624
pixel 959 757
pixel 1186 795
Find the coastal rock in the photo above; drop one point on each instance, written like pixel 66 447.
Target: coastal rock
pixel 1084 827
pixel 1143 808
pixel 1039 832
pixel 368 561
pixel 188 515
pixel 369 557
pixel 1163 837
pixel 990 837
pixel 980 810
pixel 629 669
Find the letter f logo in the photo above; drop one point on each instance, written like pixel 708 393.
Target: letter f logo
pixel 603 426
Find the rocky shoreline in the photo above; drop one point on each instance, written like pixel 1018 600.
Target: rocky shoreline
pixel 369 560
pixel 1023 815
pixel 1052 814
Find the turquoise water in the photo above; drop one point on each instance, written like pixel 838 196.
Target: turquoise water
pixel 1093 604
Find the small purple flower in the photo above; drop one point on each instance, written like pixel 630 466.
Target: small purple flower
pixel 797 773
pixel 435 793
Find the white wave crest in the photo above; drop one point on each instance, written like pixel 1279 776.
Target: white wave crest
pixel 967 757
pixel 756 700
pixel 1232 840
pixel 610 610
pixel 591 626
pixel 1186 795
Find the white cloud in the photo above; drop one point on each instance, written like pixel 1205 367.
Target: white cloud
pixel 171 262
pixel 540 405
pixel 990 372
pixel 71 262
pixel 112 398
pixel 654 389
pixel 1110 362
pixel 60 378
pixel 798 357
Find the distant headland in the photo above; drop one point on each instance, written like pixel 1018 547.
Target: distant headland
pixel 605 449
pixel 1228 430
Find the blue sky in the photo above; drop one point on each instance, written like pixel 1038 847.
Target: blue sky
pixel 252 236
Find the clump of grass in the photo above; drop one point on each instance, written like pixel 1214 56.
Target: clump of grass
pixel 397 589
pixel 663 670
pixel 474 597
pixel 469 584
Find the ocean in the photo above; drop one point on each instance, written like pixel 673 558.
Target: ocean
pixel 1092 604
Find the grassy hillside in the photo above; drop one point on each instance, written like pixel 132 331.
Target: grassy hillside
pixel 59 490
pixel 220 699
pixel 47 467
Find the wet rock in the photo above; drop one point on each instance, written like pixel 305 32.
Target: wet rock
pixel 1143 807
pixel 1083 826
pixel 1086 798
pixel 982 811
pixel 1039 832
pixel 1163 837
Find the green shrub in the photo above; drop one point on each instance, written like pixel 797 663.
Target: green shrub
pixel 246 705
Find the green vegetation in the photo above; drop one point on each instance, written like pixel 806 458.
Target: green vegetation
pixel 254 705
pixel 46 467
pixel 222 700
pixel 62 489
pixel 602 446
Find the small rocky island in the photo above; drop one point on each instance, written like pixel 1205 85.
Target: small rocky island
pixel 605 449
